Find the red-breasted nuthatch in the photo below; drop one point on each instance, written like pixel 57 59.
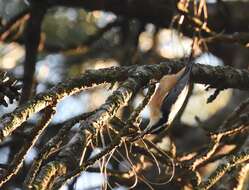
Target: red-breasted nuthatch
pixel 168 99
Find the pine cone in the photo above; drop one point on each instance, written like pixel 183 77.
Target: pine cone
pixel 8 88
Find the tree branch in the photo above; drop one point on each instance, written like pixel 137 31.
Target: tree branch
pixel 219 77
pixel 32 41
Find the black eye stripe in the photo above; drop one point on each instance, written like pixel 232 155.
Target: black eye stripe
pixel 173 97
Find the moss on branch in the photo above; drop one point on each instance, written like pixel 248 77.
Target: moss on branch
pixel 219 77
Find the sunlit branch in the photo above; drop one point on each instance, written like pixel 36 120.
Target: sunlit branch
pixel 228 163
pixel 219 77
pixel 52 146
pixel 17 162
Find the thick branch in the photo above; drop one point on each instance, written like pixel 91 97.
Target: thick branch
pixel 228 163
pixel 219 77
pixel 52 146
pixel 11 121
pixel 32 41
pixel 17 162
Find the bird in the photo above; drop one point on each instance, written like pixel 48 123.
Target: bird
pixel 168 99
